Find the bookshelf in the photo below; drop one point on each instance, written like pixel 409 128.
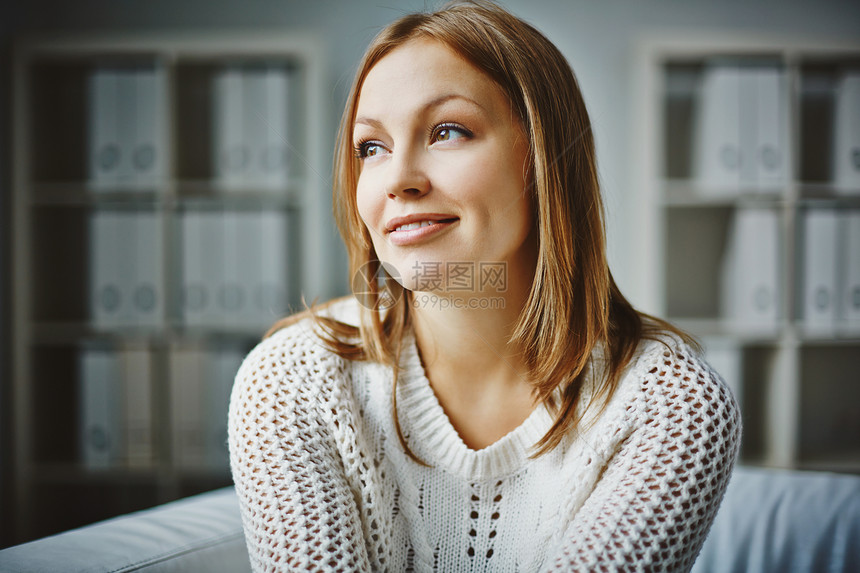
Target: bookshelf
pixel 167 208
pixel 748 153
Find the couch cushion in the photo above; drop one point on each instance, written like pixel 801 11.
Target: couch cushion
pixel 195 534
pixel 770 521
pixel 785 521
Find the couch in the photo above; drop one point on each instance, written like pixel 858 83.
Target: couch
pixel 770 521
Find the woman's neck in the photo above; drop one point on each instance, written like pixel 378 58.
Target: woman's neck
pixel 465 340
pixel 477 373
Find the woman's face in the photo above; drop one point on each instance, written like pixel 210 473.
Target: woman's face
pixel 442 187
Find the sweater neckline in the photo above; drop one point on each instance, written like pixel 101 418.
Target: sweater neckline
pixel 434 440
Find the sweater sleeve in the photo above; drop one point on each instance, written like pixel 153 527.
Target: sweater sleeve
pixel 655 502
pixel 297 508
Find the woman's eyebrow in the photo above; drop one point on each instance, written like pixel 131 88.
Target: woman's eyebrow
pixel 433 103
pixel 436 102
pixel 368 121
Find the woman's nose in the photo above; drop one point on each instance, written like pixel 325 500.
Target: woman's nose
pixel 407 178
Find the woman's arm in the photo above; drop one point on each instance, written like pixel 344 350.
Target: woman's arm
pixel 297 508
pixel 658 496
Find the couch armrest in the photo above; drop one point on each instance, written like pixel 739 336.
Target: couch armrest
pixel 198 533
pixel 785 521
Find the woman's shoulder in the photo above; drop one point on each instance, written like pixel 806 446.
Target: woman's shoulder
pixel 671 378
pixel 296 353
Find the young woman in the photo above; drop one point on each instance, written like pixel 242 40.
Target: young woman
pixel 500 406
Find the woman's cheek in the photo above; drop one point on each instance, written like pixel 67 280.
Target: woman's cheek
pixel 370 210
pixel 364 202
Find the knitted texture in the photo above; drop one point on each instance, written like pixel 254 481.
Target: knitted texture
pixel 325 485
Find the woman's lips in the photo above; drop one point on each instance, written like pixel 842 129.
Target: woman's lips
pixel 414 229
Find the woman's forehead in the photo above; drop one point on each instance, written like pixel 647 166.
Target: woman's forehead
pixel 423 71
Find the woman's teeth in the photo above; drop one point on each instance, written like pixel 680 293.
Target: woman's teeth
pixel 412 226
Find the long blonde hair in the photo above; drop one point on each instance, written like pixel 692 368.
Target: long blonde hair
pixel 574 303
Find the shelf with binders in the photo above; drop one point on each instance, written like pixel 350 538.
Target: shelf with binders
pixel 759 193
pixel 733 270
pixel 236 269
pixel 98 125
pixel 97 270
pixel 724 270
pixel 148 259
pixel 131 412
pixel 726 130
pixel 238 127
pixel 827 277
pixel 829 118
pixel 726 181
pixel 817 97
pixel 102 398
pixel 131 271
pixel 828 215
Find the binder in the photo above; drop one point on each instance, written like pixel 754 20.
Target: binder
pixel 112 248
pixel 718 155
pixel 105 296
pixel 147 298
pixel 849 256
pixel 274 160
pixel 103 135
pixel 100 408
pixel 126 129
pixel 214 259
pixel 203 245
pixel 846 155
pixel 771 151
pixel 256 115
pixel 146 155
pixel 748 117
pixel 231 155
pixel 194 298
pixel 742 130
pixel 127 104
pixel 231 302
pixel 137 383
pixel 819 227
pixel 750 276
pixel 249 266
pixel 126 271
pixel 250 128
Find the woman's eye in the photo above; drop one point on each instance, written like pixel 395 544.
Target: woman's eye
pixel 371 150
pixel 368 149
pixel 449 133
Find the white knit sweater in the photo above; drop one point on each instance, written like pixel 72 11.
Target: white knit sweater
pixel 325 485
